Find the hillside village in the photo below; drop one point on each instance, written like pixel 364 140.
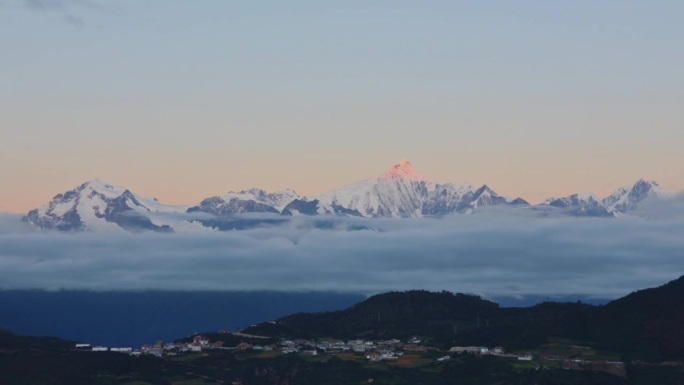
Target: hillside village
pixel 410 352
pixel 375 350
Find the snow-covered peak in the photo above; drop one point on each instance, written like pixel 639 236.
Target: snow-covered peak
pixel 403 169
pixel 399 192
pixel 649 187
pixel 628 197
pixel 246 201
pixel 102 187
pixel 99 205
pixel 579 197
pixel 586 197
pixel 582 204
pixel 97 182
pixel 403 192
pixel 277 200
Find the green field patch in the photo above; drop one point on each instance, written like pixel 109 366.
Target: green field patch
pixel 136 383
pixel 557 348
pixel 521 366
pixel 185 357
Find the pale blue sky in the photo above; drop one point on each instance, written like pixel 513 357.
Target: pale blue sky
pixel 186 99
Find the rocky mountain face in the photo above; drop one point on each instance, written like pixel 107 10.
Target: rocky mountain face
pixel 315 207
pixel 620 202
pixel 97 205
pixel 219 206
pixel 628 198
pixel 580 205
pixel 400 192
pixel 248 201
pixel 403 192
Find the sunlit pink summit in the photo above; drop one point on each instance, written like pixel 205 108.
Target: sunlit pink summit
pixel 403 170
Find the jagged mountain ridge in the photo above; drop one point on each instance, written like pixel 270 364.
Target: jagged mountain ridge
pixel 580 205
pixel 253 200
pixel 403 192
pixel 620 202
pixel 286 202
pixel 302 206
pixel 400 192
pixel 97 205
pixel 628 197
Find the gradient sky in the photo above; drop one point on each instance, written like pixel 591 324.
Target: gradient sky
pixel 181 100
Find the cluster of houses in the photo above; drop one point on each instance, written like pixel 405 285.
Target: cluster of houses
pixel 159 349
pixel 98 348
pixel 375 351
pixel 384 350
pixel 497 351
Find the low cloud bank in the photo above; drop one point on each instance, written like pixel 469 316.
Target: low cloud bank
pixel 487 253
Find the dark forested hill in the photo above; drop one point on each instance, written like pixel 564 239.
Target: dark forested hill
pixel 646 325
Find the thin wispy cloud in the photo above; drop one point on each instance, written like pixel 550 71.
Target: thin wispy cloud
pixel 65 4
pixel 75 21
pixel 71 10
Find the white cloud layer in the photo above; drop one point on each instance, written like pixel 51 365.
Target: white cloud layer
pixel 487 253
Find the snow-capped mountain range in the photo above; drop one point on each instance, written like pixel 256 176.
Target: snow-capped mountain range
pixel 400 192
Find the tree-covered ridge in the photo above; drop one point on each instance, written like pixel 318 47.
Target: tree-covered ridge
pixel 644 325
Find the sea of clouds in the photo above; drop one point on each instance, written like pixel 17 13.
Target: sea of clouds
pixel 491 253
